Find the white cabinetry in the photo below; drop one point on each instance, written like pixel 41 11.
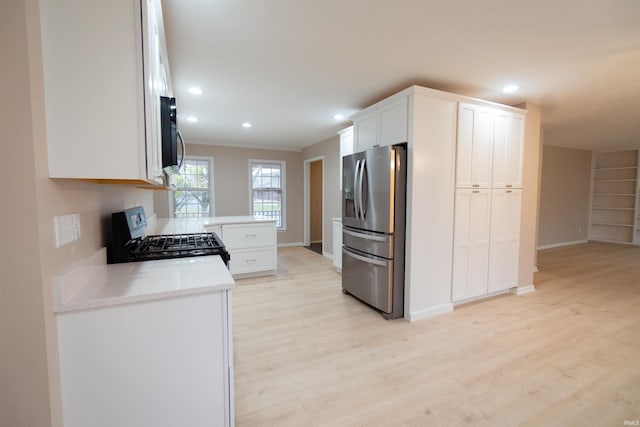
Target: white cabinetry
pixel 508 148
pixel 346 148
pixel 487 219
pixel 490 143
pixel 104 67
pixel 459 151
pixel 475 145
pixel 337 243
pixel 385 123
pixel 155 363
pixel 505 239
pixel 471 243
pixel 251 245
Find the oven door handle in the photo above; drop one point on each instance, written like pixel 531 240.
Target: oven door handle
pixel 365 236
pixel 364 258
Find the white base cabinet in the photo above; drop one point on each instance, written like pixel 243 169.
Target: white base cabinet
pixel 504 247
pixel 252 247
pixel 471 243
pixel 156 363
pixel 337 243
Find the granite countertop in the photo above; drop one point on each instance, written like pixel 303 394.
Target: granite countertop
pixel 94 284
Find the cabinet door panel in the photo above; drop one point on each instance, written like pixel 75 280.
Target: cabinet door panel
pixel 471 243
pixel 475 146
pixel 365 132
pixel 465 146
pixel 481 166
pixel 393 123
pixel 515 149
pixel 500 149
pixel 505 239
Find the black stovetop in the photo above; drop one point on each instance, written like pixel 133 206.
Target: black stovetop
pixel 130 244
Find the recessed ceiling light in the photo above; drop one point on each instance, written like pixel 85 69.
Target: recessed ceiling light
pixel 196 91
pixel 192 119
pixel 338 117
pixel 510 88
pixel 246 125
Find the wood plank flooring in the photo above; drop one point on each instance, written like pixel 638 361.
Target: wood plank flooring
pixel 567 354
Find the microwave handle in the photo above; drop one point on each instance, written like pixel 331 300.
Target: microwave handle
pixel 179 135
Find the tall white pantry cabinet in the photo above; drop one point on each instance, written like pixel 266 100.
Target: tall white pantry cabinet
pixel 488 199
pixel 464 192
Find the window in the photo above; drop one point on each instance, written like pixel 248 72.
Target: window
pixel 267 181
pixel 193 195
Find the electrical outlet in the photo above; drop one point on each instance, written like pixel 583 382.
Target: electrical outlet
pixel 579 229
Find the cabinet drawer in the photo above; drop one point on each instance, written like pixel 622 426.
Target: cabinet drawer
pixel 252 260
pixel 248 235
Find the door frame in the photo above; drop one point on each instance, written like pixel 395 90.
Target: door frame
pixel 307 200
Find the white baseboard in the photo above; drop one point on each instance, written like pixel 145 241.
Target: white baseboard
pixel 557 245
pixel 429 312
pixel 327 255
pixel 522 290
pixel 286 245
pixel 316 241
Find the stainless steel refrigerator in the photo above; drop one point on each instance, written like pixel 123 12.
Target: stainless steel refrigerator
pixel 373 227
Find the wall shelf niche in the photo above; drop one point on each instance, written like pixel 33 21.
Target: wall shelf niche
pixel 615 208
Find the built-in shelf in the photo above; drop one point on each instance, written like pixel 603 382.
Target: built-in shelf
pixel 615 208
pixel 612 225
pixel 616 169
pixel 604 208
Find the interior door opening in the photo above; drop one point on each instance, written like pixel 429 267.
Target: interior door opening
pixel 314 217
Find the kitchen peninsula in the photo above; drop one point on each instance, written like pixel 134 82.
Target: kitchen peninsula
pixel 251 242
pixel 150 342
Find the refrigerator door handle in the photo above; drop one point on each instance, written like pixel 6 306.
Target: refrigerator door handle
pixel 355 190
pixel 363 212
pixel 365 236
pixel 364 258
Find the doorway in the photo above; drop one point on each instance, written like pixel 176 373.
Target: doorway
pixel 314 204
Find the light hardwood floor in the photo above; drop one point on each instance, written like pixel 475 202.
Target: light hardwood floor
pixel 567 354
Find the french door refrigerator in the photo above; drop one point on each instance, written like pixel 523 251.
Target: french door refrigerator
pixel 373 227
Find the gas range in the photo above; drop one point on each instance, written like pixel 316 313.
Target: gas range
pixel 130 244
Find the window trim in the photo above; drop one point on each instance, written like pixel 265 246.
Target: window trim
pixel 283 187
pixel 212 200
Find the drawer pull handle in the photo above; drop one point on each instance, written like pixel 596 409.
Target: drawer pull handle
pixel 250 236
pixel 251 260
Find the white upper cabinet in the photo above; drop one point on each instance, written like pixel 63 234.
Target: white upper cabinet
pixel 490 145
pixel 475 146
pixel 381 124
pixel 105 66
pixel 346 148
pixel 507 150
pixel 365 132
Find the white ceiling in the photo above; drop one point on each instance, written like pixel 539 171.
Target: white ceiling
pixel 287 66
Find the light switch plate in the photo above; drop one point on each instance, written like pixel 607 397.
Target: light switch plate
pixel 63 229
pixel 77 233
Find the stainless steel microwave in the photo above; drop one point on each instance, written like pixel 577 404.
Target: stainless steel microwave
pixel 170 136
